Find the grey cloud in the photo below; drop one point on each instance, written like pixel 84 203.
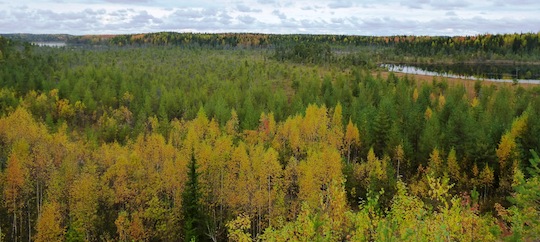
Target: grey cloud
pixel 414 4
pixel 279 14
pixel 477 25
pixel 96 21
pixel 142 19
pixel 340 4
pixel 194 19
pixel 187 14
pixel 224 18
pixel 128 1
pixel 450 5
pixel 441 26
pixel 95 12
pixel 292 24
pixel 312 8
pixel 337 20
pixel 514 2
pixel 245 9
pixel 266 1
pixel 246 19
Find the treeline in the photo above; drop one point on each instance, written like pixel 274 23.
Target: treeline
pixel 38 37
pixel 479 48
pixel 117 144
pixel 516 47
pixel 482 47
pixel 419 45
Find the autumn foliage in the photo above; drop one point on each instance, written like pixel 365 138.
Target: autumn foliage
pixel 168 144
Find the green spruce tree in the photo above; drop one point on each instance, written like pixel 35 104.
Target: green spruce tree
pixel 191 206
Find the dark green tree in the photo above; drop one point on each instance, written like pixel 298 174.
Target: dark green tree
pixel 191 207
pixel 382 124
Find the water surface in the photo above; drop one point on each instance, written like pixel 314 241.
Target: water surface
pixel 50 44
pixel 487 72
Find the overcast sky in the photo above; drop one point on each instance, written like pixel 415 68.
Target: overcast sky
pixel 366 17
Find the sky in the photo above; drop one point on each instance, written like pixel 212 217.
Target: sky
pixel 360 17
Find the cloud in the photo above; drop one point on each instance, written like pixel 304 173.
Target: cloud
pixel 143 19
pixel 450 4
pixel 337 20
pixel 279 14
pixel 340 4
pixel 245 9
pixel 128 1
pixel 415 4
pixel 266 1
pixel 514 2
pixel 420 17
pixel 224 18
pixel 246 19
pixel 186 14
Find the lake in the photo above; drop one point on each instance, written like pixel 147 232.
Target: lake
pixel 487 72
pixel 50 44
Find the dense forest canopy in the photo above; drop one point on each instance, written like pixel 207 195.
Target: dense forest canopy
pixel 169 136
pixel 518 46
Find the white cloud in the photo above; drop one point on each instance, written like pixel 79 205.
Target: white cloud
pixel 371 17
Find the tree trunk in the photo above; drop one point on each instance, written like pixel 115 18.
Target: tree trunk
pixel 269 200
pixel 14 227
pixel 397 173
pixel 29 226
pixel 349 155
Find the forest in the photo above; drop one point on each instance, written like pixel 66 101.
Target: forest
pixel 253 137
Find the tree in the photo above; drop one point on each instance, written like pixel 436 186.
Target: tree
pixel 191 204
pixel 524 215
pixel 382 124
pixel 232 125
pixel 16 177
pixel 435 165
pixel 508 152
pixel 486 178
pixel 84 202
pixel 239 229
pixel 399 156
pixel 453 167
pixel 49 224
pixel 352 139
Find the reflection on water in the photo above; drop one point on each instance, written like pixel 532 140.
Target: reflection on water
pixel 496 73
pixel 50 44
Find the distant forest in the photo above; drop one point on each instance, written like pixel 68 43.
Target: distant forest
pixel 253 137
pixel 517 47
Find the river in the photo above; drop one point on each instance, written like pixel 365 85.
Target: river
pixel 496 73
pixel 50 44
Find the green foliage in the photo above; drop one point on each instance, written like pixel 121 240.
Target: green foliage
pixel 302 52
pixel 145 144
pixel 73 235
pixel 238 228
pixel 192 209
pixel 524 215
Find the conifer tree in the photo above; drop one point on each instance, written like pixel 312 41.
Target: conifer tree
pixel 191 206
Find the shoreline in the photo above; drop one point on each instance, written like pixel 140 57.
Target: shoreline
pixel 477 62
pixel 451 80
